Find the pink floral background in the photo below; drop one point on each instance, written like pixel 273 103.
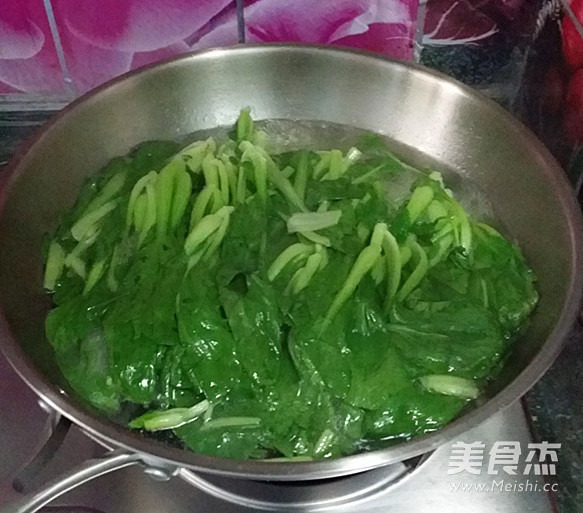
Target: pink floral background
pixel 28 57
pixel 101 39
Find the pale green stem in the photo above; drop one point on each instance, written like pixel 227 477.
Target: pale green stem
pixel 286 256
pixel 169 419
pixel 201 231
pixel 135 194
pixel 182 193
pixel 200 204
pixel 231 422
pixel 312 221
pixel 393 262
pixel 94 275
pixel 302 279
pixel 451 385
pixel 54 266
pixel 316 238
pixel 301 178
pixel 89 221
pixel 110 189
pixel 363 264
pixel 418 273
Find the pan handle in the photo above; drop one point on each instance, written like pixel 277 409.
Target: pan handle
pixel 86 471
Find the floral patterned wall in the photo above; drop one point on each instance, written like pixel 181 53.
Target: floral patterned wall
pixel 526 54
pixel 386 26
pixel 70 46
pixel 28 56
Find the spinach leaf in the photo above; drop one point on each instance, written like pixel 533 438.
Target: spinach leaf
pixel 140 324
pixel 255 321
pixel 410 413
pixel 501 278
pixel 209 346
pixel 82 353
pixel 244 244
pixel 458 338
pixel 230 432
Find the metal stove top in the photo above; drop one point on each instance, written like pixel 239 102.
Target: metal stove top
pixel 427 487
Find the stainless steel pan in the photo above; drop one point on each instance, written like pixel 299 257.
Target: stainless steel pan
pixel 442 120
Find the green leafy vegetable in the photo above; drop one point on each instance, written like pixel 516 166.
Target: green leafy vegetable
pixel 279 306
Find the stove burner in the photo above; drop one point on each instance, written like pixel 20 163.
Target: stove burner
pixel 325 494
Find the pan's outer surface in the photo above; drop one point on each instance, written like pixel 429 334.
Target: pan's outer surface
pixel 416 108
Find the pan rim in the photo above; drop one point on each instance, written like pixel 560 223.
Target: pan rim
pixel 112 434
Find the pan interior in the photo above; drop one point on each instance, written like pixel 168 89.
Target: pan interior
pixel 498 169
